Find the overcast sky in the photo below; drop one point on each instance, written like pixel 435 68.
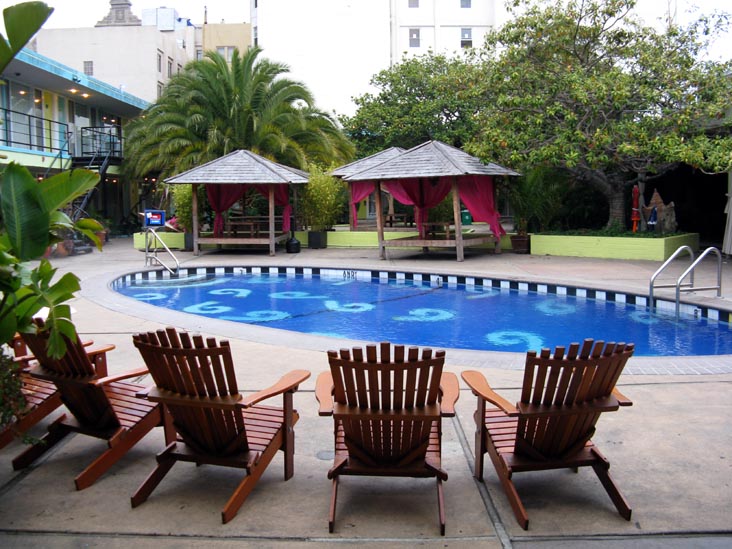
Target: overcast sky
pixel 86 13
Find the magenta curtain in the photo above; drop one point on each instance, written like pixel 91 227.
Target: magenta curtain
pixel 221 198
pixel 282 198
pixel 359 191
pixel 423 194
pixel 476 192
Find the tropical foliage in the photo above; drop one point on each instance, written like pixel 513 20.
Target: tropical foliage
pixel 325 200
pixel 212 108
pixel 31 221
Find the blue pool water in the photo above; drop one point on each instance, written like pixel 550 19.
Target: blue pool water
pixel 429 312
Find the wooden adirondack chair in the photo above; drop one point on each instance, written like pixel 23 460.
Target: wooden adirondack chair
pixel 387 412
pixel 102 406
pixel 41 397
pixel 562 398
pixel 196 383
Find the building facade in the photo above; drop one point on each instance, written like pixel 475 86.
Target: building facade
pixel 53 118
pixel 335 47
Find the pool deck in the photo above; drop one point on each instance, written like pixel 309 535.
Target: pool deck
pixel 671 452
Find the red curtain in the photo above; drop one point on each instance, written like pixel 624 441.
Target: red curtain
pixel 476 192
pixel 282 198
pixel 422 193
pixel 359 191
pixel 221 198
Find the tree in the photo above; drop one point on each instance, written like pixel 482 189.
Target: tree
pixel 212 108
pixel 419 99
pixel 581 85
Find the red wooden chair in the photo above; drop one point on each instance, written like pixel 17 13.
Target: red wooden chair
pixel 41 397
pixel 562 398
pixel 216 425
pixel 387 410
pixel 102 406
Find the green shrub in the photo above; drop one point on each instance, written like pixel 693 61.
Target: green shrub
pixel 324 201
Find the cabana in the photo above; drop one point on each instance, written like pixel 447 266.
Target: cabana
pixel 422 177
pixel 227 180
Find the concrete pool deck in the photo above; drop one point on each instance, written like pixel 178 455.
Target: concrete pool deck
pixel 671 452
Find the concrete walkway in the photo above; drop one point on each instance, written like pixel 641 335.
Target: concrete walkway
pixel 671 452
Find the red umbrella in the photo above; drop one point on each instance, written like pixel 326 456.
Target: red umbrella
pixel 635 214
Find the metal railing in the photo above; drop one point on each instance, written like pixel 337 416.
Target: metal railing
pixel 101 141
pixel 680 285
pixel 26 131
pixel 151 254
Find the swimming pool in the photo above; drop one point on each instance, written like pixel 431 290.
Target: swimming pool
pixel 427 309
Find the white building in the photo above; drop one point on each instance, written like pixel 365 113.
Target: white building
pixel 135 55
pixel 336 46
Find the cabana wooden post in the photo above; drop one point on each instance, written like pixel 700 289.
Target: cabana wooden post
pixel 242 168
pixel 430 167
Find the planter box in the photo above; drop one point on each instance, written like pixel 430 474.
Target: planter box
pixel 611 247
pixel 174 241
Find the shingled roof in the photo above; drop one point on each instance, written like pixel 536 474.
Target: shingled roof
pixel 430 159
pixel 368 162
pixel 241 167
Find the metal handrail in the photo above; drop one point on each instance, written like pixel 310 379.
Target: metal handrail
pixel 691 268
pixel 680 250
pixel 152 258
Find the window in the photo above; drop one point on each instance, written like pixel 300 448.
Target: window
pixel 170 67
pixel 466 38
pixel 413 38
pixel 160 61
pixel 199 54
pixel 89 68
pixel 160 89
pixel 465 4
pixel 413 3
pixel 180 68
pixel 256 36
pixel 226 52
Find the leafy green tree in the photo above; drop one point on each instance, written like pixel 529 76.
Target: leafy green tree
pixel 582 85
pixel 213 108
pixel 419 99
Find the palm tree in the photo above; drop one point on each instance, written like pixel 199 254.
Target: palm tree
pixel 213 108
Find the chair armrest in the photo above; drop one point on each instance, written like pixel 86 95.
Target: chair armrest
pixel 118 377
pixel 478 384
pixel 622 399
pixel 450 393
pixel 287 383
pixel 101 350
pixel 324 393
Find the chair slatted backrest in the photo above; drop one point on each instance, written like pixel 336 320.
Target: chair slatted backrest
pixel 188 366
pixel 577 386
pixel 73 374
pixel 387 402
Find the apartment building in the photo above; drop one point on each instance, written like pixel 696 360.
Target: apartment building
pixel 335 47
pixel 53 118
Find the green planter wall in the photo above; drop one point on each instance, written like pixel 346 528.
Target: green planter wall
pixel 611 247
pixel 174 241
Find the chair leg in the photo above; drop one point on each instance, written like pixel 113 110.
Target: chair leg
pixel 621 504
pixel 56 432
pixel 479 454
pixel 165 463
pixel 111 456
pixel 441 506
pixel 333 497
pixel 519 510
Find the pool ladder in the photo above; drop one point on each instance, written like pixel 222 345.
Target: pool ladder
pixel 682 286
pixel 151 255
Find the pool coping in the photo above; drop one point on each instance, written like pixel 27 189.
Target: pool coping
pixel 641 365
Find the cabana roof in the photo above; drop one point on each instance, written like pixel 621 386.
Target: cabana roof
pixel 367 162
pixel 240 167
pixel 430 159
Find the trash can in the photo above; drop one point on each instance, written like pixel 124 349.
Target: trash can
pixel 466 218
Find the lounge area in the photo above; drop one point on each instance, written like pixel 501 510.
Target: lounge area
pixel 678 497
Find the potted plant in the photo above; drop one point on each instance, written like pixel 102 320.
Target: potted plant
pixel 323 202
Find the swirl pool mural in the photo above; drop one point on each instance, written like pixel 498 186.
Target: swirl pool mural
pixel 428 310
